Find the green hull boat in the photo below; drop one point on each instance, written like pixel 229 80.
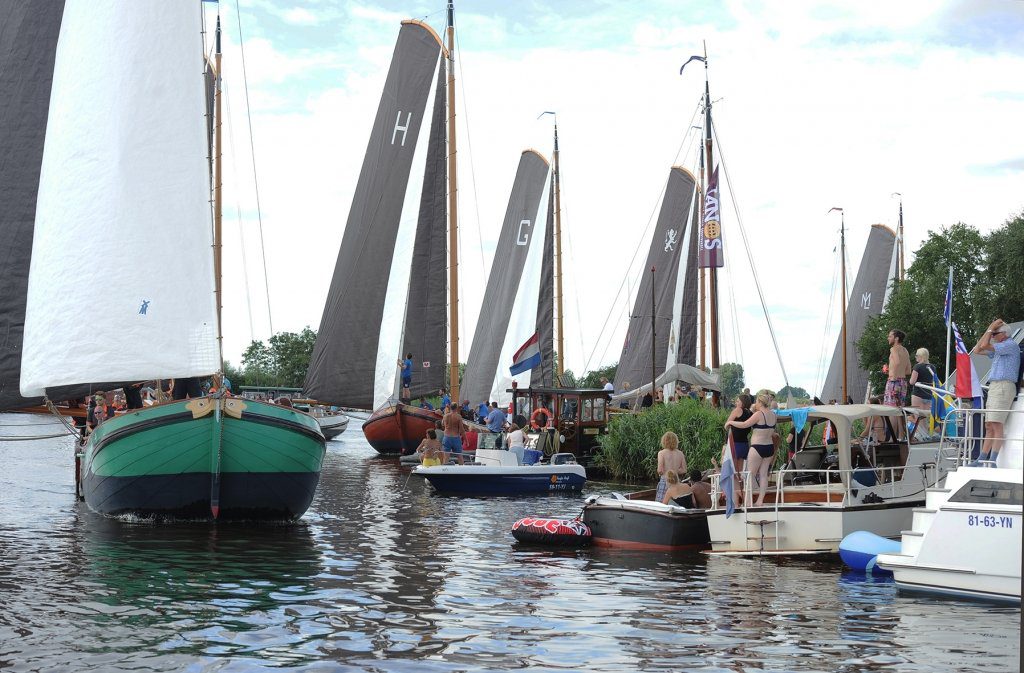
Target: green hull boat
pixel 219 458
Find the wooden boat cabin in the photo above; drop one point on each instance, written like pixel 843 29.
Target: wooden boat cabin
pixel 579 415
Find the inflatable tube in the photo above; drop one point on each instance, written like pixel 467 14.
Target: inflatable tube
pixel 860 549
pixel 557 532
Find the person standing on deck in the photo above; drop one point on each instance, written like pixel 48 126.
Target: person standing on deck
pixel 762 442
pixel 454 432
pixel 496 422
pixel 898 371
pixel 406 366
pixel 669 458
pixel 1002 384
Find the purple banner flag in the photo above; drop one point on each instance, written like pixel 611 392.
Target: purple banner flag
pixel 711 254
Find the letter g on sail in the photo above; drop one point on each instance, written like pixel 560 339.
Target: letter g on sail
pixel 523 237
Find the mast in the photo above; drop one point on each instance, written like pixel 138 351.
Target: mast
pixel 558 256
pixel 842 273
pixel 712 271
pixel 654 342
pixel 453 222
pixel 903 268
pixel 703 304
pixel 218 201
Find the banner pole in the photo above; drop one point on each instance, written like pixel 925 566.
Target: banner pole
pixel 949 325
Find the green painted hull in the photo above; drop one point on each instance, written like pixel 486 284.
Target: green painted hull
pixel 161 462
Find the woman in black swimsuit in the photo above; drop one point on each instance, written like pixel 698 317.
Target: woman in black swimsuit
pixel 677 493
pixel 762 442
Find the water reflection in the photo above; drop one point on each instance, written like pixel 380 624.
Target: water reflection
pixel 384 575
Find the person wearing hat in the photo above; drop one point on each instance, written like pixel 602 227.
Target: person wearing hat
pixel 1002 384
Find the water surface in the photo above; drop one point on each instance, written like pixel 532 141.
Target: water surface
pixel 383 575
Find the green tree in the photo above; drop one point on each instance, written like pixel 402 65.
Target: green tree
pixel 258 364
pixel 1005 256
pixel 732 379
pixel 235 375
pixel 291 353
pixel 592 379
pixel 798 393
pixel 915 305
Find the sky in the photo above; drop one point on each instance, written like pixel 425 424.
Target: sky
pixel 816 105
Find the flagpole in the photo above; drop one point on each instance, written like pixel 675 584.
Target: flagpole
pixel 949 319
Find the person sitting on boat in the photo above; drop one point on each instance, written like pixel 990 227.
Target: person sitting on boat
pixel 185 388
pixel 466 411
pixel 607 385
pixel 430 450
pixel 104 409
pixel 701 490
pixel 406 366
pixel 762 441
pixel 425 404
pixel 439 428
pixel 676 492
pixel 446 399
pixel 454 432
pixel 670 458
pixel 517 442
pixel 481 413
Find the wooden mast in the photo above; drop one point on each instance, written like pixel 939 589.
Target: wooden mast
pixel 903 268
pixel 702 294
pixel 558 256
pixel 842 273
pixel 218 198
pixel 453 210
pixel 654 341
pixel 712 271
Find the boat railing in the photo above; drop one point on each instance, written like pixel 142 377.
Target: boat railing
pixel 797 485
pixel 963 433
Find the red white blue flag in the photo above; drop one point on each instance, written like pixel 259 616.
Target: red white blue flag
pixel 967 382
pixel 527 357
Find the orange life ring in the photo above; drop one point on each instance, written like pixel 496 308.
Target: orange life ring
pixel 533 418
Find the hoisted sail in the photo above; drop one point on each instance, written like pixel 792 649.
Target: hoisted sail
pixel 688 310
pixel 354 361
pixel 667 247
pixel 497 336
pixel 544 375
pixel 123 203
pixel 426 324
pixel 869 296
pixel 28 44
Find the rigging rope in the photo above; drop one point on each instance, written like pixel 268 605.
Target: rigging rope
pixel 252 148
pixel 750 258
pixel 644 238
pixel 818 380
pixel 238 213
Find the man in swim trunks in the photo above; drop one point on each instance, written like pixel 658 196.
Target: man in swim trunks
pixel 454 432
pixel 899 372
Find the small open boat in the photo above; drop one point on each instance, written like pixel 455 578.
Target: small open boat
pixel 498 472
pixel 635 521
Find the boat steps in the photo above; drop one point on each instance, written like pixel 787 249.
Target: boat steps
pixel 922 519
pixel 762 537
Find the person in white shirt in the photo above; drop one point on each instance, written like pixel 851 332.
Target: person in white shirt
pixel 516 439
pixel 607 385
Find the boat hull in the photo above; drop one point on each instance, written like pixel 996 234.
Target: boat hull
pixel 332 426
pixel 522 480
pixel 398 429
pixel 633 524
pixel 163 462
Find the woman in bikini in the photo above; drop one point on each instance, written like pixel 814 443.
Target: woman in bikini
pixel 762 442
pixel 677 493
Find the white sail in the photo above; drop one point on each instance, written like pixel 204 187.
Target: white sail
pixel 121 285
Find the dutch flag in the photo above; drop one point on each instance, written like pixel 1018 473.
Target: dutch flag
pixel 527 357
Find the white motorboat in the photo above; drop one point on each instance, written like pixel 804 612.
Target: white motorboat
pixel 498 472
pixel 966 540
pixel 821 497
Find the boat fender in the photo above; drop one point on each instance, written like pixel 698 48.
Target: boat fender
pixel 560 532
pixel 860 549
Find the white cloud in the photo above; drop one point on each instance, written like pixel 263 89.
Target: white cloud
pixel 821 104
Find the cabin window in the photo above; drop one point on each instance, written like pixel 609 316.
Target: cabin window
pixel 588 411
pixel 990 493
pixel 569 409
pixel 599 410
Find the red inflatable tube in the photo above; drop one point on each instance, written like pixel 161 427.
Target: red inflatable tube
pixel 556 532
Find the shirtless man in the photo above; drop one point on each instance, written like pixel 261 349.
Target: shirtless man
pixel 454 432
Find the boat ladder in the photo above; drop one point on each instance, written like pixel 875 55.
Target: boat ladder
pixel 761 537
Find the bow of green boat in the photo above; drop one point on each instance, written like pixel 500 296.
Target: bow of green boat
pixel 225 458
